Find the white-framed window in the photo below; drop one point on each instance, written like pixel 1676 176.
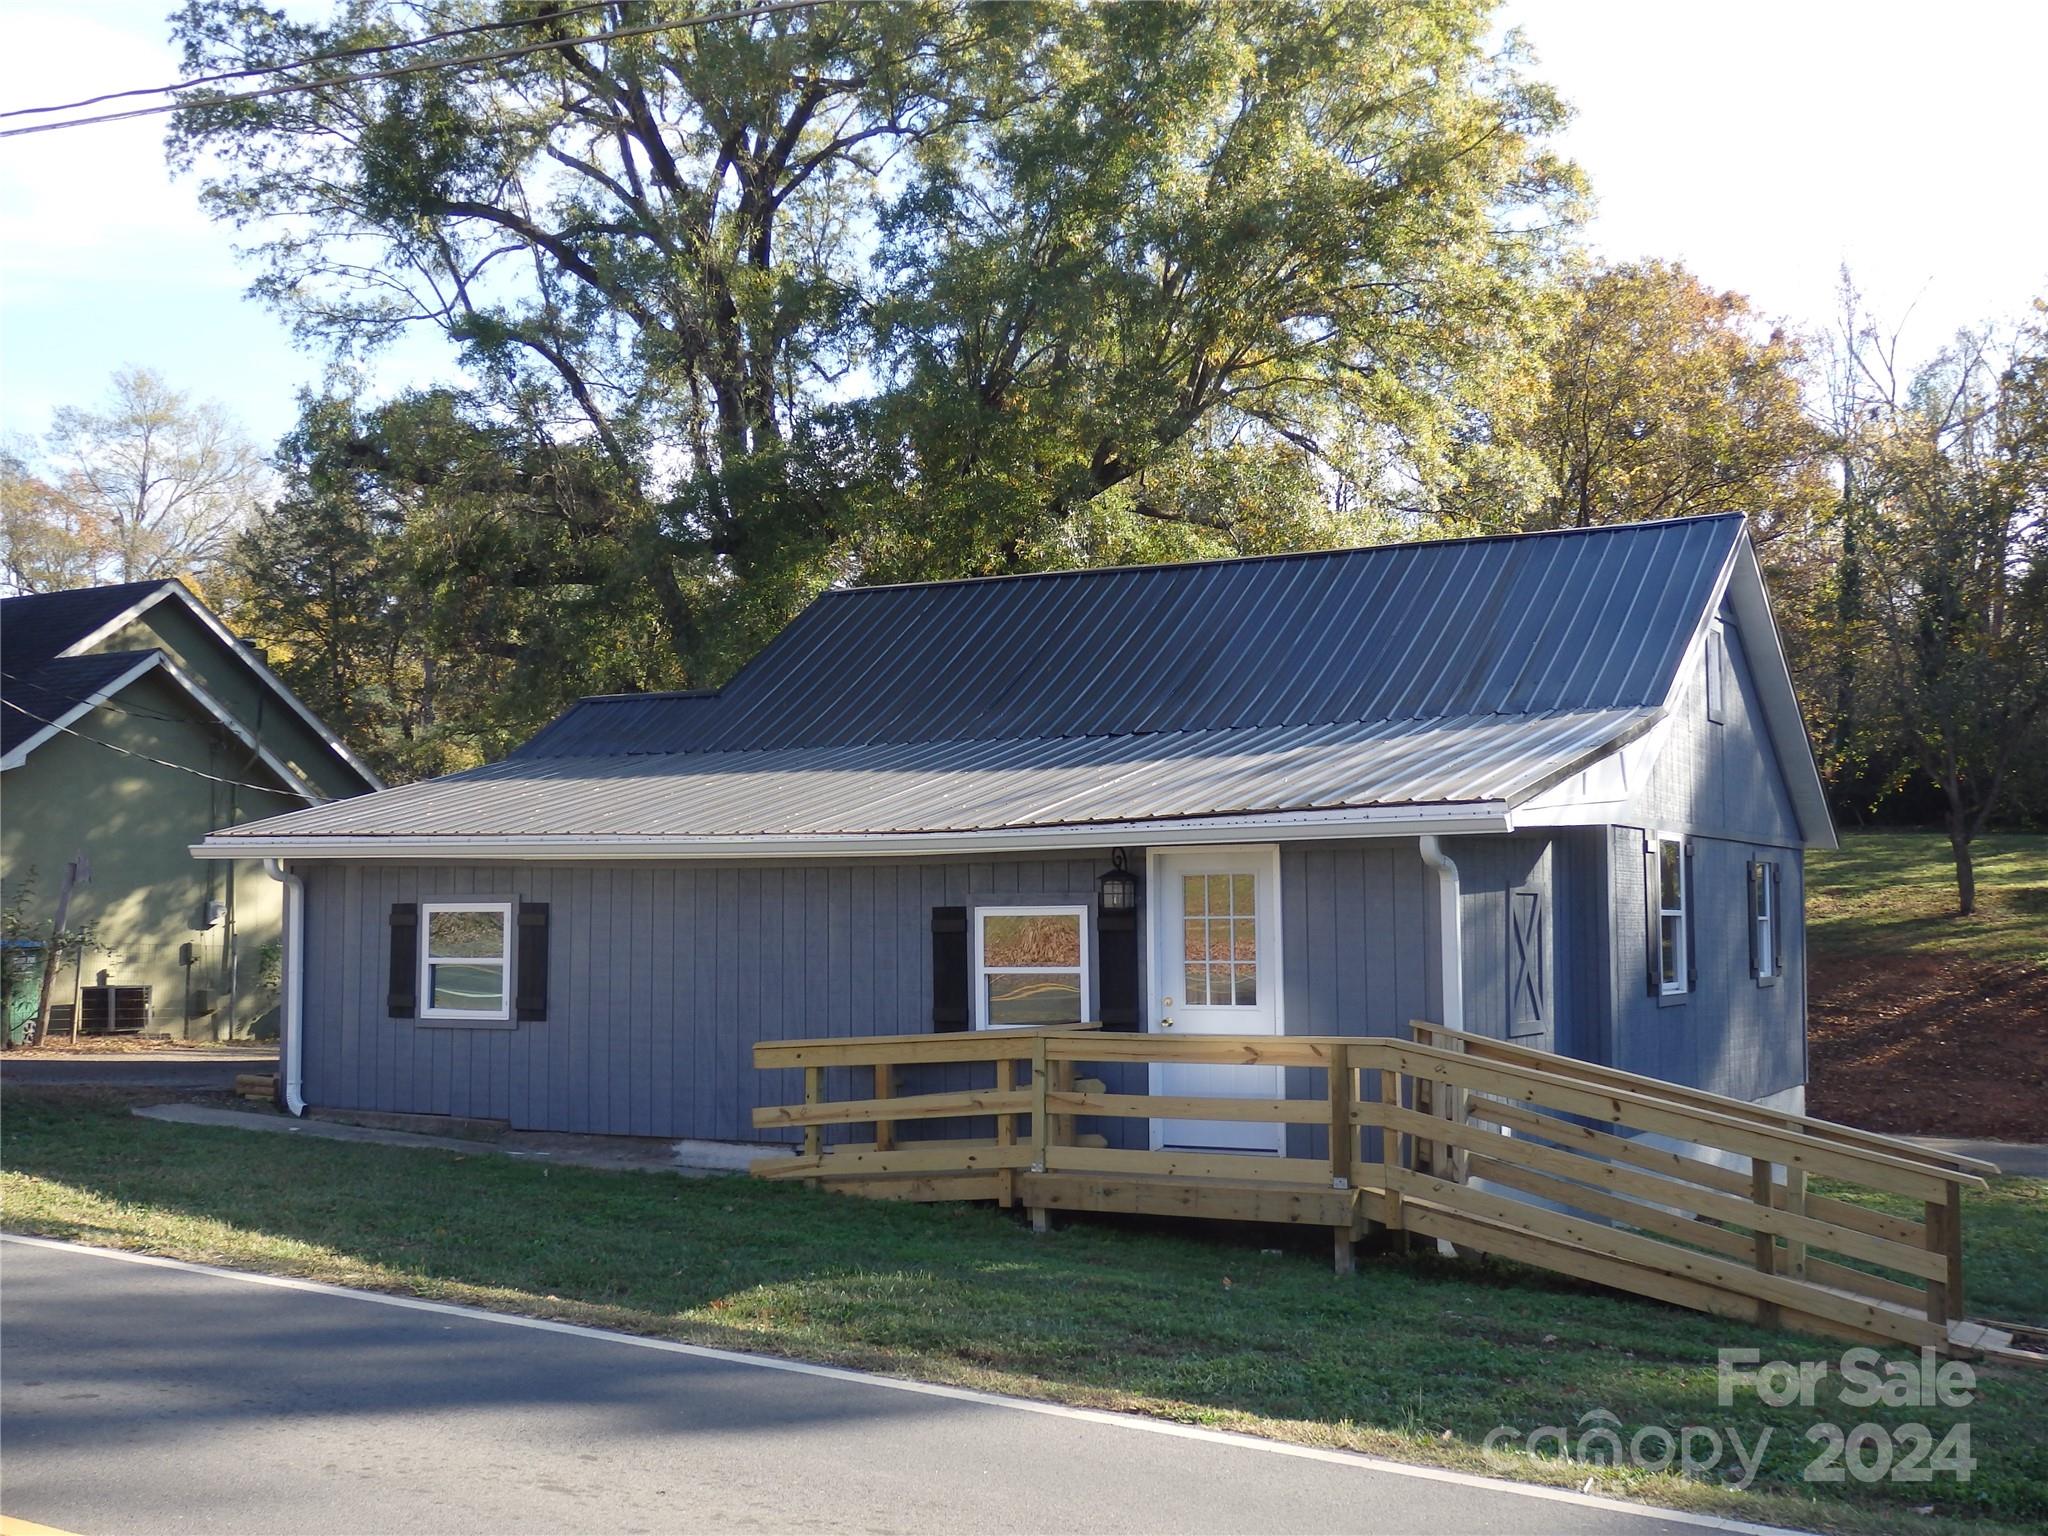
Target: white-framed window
pixel 1672 915
pixel 1765 919
pixel 466 960
pixel 1030 966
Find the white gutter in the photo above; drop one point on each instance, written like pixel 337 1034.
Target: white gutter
pixel 1450 931
pixel 1277 826
pixel 292 980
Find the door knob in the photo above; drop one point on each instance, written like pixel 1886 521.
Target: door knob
pixel 1166 1023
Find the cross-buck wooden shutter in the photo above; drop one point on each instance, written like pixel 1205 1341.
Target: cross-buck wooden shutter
pixel 403 996
pixel 949 968
pixel 1755 874
pixel 533 962
pixel 1116 966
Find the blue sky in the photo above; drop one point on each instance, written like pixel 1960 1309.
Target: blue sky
pixel 1764 142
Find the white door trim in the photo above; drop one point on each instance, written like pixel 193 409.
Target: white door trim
pixel 1158 971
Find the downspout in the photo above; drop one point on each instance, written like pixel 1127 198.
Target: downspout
pixel 292 982
pixel 1450 932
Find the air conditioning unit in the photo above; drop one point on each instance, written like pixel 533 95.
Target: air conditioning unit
pixel 109 1010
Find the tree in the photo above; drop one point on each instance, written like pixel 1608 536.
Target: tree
pixel 153 484
pixel 1953 477
pixel 1660 397
pixel 48 545
pixel 862 291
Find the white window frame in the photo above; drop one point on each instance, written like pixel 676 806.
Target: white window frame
pixel 428 959
pixel 1676 985
pixel 1082 915
pixel 1764 916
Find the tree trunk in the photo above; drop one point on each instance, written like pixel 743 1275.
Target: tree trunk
pixel 1966 869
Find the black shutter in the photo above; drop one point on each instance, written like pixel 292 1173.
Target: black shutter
pixel 1692 924
pixel 1116 948
pixel 533 961
pixel 1755 874
pixel 949 968
pixel 1653 898
pixel 1777 923
pixel 403 998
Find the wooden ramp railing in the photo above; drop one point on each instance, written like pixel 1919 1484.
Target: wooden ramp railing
pixel 1584 1170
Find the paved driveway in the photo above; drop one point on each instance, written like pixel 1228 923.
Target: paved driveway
pixel 147 1396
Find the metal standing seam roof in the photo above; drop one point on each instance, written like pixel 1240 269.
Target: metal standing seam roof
pixel 1421 674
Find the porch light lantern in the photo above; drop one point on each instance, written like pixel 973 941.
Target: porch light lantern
pixel 1119 887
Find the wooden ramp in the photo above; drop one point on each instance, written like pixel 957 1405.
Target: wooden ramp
pixel 1627 1181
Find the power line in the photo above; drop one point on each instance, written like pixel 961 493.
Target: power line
pixel 123 709
pixel 364 51
pixel 267 789
pixel 499 56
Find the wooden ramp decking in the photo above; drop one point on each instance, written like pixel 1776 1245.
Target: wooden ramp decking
pixel 1586 1171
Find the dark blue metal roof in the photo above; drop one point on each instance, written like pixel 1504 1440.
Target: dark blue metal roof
pixel 1578 620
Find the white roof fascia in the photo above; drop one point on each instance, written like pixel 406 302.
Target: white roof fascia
pixel 233 642
pixel 78 712
pixel 1280 826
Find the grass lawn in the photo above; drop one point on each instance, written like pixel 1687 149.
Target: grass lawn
pixel 1891 893
pixel 1415 1359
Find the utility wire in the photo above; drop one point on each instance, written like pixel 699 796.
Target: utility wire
pixel 499 56
pixel 123 709
pixel 268 789
pixel 364 51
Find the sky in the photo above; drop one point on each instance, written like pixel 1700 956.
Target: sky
pixel 1762 142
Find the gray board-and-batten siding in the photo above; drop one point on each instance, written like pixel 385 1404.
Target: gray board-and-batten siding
pixel 663 976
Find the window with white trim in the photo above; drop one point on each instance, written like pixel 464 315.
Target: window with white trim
pixel 1765 919
pixel 1717 674
pixel 1030 966
pixel 1671 915
pixel 465 960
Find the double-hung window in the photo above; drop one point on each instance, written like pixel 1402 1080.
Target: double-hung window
pixel 1672 916
pixel 465 960
pixel 1030 966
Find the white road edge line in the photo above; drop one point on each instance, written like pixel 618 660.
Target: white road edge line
pixel 1104 1416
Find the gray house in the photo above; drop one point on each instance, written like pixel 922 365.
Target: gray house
pixel 1550 787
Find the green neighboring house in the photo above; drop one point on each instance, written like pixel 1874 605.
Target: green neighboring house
pixel 134 723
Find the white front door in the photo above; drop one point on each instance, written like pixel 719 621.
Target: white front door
pixel 1216 971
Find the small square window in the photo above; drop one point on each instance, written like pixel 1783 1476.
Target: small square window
pixel 465 960
pixel 1031 966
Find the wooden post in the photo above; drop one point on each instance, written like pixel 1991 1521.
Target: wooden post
pixel 885 1088
pixel 1041 1126
pixel 1390 1158
pixel 1063 1082
pixel 1006 1130
pixel 1795 1202
pixel 1766 1243
pixel 814 1093
pixel 1945 1237
pixel 1343 1134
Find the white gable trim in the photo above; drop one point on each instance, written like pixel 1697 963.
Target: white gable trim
pixel 293 782
pixel 255 663
pixel 77 712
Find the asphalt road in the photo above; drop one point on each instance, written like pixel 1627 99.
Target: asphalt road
pixel 189 1070
pixel 146 1397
